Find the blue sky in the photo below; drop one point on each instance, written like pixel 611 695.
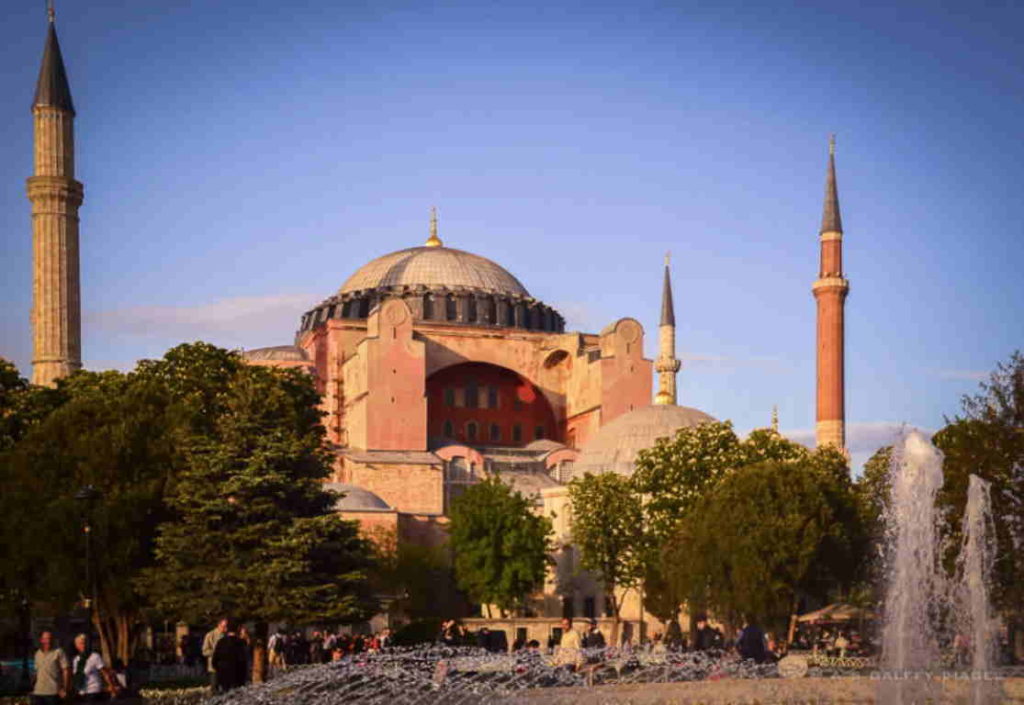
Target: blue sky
pixel 240 160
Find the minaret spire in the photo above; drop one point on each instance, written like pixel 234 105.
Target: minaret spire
pixel 55 196
pixel 433 240
pixel 667 365
pixel 830 291
pixel 831 222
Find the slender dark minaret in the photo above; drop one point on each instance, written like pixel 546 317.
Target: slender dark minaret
pixel 666 365
pixel 830 292
pixel 55 197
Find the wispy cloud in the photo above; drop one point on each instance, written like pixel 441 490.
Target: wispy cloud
pixel 580 316
pixel 863 438
pixel 233 321
pixel 728 362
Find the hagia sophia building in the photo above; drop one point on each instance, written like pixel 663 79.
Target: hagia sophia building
pixel 438 368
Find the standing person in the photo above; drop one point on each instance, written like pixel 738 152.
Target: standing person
pixel 209 644
pixel 593 639
pixel 707 637
pixel 89 674
pixel 276 647
pixel 53 672
pixel 569 652
pixel 230 660
pixel 316 648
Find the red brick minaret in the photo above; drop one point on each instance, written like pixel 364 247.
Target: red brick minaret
pixel 830 293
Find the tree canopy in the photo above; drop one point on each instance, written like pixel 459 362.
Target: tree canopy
pixel 608 531
pixel 197 459
pixel 500 545
pixel 987 440
pixel 766 534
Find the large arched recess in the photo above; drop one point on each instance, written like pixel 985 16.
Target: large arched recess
pixel 479 404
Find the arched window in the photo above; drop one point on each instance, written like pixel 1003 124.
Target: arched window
pixel 471 309
pixel 449 430
pixel 458 476
pixel 471 431
pixel 449 308
pixel 492 397
pixel 472 394
pixel 428 307
pixel 538 433
pixel 495 433
pixel 449 397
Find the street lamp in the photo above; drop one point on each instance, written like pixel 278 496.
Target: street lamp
pixel 88 496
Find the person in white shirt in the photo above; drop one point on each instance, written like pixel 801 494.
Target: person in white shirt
pixel 88 672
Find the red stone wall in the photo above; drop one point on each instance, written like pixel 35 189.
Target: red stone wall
pixel 830 353
pixel 626 377
pixel 518 402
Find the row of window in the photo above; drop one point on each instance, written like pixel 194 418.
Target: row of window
pixel 474 432
pixel 476 397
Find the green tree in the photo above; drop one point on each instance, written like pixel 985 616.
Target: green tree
pixel 872 489
pixel 768 533
pixel 415 579
pixel 988 440
pixel 22 405
pixel 677 476
pixel 678 472
pixel 253 533
pixel 110 433
pixel 607 529
pixel 500 545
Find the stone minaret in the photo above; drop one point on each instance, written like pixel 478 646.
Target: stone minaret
pixel 830 293
pixel 55 197
pixel 666 365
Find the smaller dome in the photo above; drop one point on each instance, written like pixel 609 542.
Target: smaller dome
pixel 356 499
pixel 615 445
pixel 283 353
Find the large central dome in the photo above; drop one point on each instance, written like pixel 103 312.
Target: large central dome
pixel 434 267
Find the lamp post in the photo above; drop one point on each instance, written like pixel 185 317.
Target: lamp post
pixel 88 496
pixel 25 640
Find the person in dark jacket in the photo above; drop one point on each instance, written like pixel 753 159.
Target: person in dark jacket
pixel 707 637
pixel 230 660
pixel 752 643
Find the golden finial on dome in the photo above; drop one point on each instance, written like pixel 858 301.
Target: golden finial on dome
pixel 433 240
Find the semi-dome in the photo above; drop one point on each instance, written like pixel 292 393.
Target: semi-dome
pixel 615 446
pixel 434 267
pixel 356 499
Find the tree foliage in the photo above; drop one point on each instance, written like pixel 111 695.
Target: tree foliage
pixel 767 534
pixel 252 532
pixel 500 545
pixel 607 529
pixel 677 476
pixel 167 446
pixel 109 433
pixel 988 440
pixel 417 580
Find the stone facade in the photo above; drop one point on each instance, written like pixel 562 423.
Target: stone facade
pixel 55 196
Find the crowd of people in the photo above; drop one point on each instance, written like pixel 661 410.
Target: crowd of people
pixel 229 651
